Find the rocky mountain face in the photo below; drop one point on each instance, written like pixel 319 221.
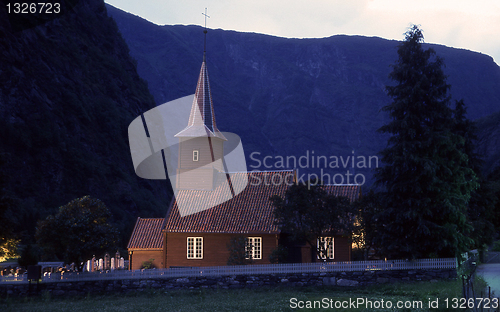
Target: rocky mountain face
pixel 68 91
pixel 298 97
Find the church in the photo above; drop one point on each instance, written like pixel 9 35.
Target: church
pixel 235 205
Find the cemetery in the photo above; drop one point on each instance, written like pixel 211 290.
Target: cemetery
pixel 115 280
pixel 10 271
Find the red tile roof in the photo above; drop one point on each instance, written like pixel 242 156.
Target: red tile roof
pixel 250 211
pixel 147 234
pixel 351 191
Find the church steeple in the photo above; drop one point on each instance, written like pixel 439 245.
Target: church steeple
pixel 201 144
pixel 202 118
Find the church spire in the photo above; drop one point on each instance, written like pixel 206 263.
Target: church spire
pixel 202 118
pixel 205 39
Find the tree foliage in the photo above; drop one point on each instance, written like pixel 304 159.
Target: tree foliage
pixel 481 207
pixel 308 212
pixel 79 230
pixel 366 235
pixel 427 176
pixel 8 248
pixel 29 255
pixel 494 180
pixel 279 255
pixel 238 251
pixel 8 239
pixel 148 264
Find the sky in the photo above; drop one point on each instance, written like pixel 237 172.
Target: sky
pixel 468 24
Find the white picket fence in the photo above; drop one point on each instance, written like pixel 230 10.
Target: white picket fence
pixel 297 268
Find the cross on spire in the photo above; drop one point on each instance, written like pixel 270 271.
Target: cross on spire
pixel 205 17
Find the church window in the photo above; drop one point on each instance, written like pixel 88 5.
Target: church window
pixel 195 247
pixel 253 247
pixel 325 248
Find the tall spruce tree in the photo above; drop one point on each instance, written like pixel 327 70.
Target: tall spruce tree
pixel 481 210
pixel 426 174
pixel 494 179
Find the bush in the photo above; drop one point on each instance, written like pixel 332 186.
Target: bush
pixel 279 255
pixel 237 251
pixel 358 254
pixel 496 246
pixel 148 264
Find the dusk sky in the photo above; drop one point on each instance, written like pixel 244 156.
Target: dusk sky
pixel 471 25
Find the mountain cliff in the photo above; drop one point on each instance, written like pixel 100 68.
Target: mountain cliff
pixel 68 91
pixel 297 97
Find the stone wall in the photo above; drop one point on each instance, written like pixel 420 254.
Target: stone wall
pixel 228 282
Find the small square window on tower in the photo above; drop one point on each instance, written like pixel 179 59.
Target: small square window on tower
pixel 196 155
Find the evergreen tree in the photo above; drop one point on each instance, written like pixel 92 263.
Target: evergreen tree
pixel 482 202
pixel 494 179
pixel 467 130
pixel 426 174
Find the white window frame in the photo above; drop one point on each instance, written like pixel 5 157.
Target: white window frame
pixel 328 243
pixel 194 247
pixel 196 155
pixel 253 248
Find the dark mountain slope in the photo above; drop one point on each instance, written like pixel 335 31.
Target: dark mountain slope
pixel 489 141
pixel 290 97
pixel 68 91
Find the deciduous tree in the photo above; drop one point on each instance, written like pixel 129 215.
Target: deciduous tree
pixel 366 235
pixel 308 212
pixel 238 251
pixel 79 230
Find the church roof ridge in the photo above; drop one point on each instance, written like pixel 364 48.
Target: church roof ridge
pixel 335 184
pixel 258 171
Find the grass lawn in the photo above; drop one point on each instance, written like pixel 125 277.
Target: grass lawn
pixel 257 299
